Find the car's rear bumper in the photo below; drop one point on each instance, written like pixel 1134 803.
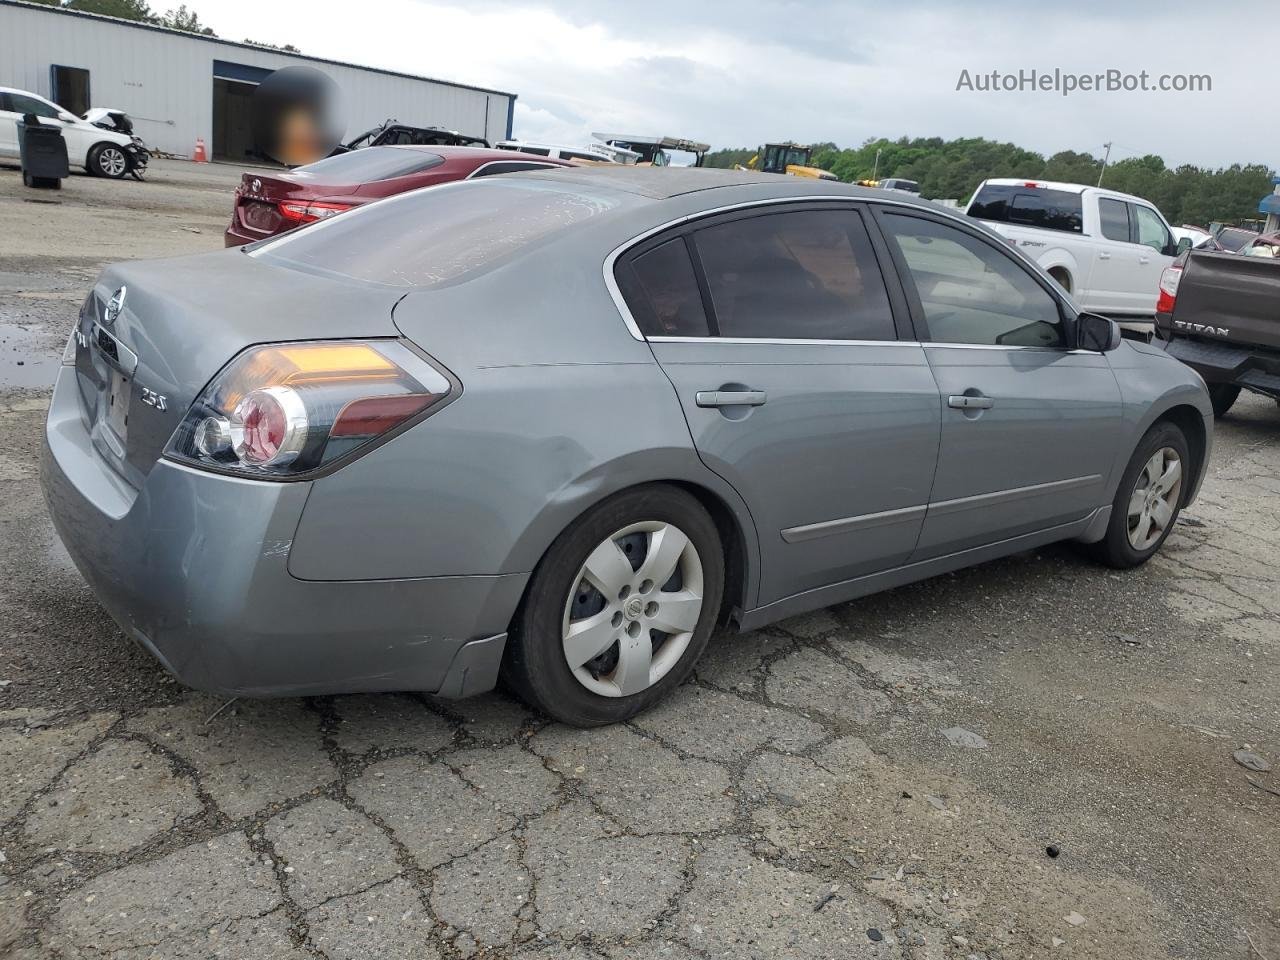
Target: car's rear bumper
pixel 1253 368
pixel 194 567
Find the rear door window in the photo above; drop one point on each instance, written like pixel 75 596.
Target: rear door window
pixel 1029 206
pixel 808 275
pixel 1114 215
pixel 661 290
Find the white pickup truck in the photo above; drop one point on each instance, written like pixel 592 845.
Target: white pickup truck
pixel 1106 249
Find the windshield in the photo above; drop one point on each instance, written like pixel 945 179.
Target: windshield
pixel 433 237
pixel 371 164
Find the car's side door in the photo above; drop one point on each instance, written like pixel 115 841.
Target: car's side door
pixel 49 114
pixel 1154 243
pixel 776 327
pixel 1030 426
pixel 1111 278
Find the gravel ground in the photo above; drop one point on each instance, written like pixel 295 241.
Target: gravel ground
pixel 1032 758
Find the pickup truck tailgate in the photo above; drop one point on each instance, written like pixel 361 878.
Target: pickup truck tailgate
pixel 1228 297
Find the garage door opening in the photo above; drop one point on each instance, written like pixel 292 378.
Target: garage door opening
pixel 233 88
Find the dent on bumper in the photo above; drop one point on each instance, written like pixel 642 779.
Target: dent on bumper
pixel 194 567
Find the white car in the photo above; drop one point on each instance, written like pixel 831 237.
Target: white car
pixel 591 153
pixel 99 151
pixel 1106 249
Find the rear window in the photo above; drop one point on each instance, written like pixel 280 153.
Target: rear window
pixel 433 237
pixel 1029 206
pixel 1235 239
pixel 370 164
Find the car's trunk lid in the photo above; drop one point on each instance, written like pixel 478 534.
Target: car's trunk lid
pixel 181 321
pixel 258 199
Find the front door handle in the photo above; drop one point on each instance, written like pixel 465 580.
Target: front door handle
pixel 1103 255
pixel 1144 259
pixel 961 402
pixel 730 398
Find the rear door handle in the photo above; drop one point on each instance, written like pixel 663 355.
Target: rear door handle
pixel 961 402
pixel 1144 259
pixel 1103 255
pixel 730 398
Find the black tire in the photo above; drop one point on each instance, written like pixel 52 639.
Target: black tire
pixel 1222 396
pixel 1115 549
pixel 102 161
pixel 534 665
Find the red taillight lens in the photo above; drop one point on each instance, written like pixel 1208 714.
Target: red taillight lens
pixel 310 211
pixel 1169 281
pixel 282 410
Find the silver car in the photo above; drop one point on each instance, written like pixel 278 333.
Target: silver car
pixel 557 426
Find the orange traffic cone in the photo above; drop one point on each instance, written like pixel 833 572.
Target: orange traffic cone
pixel 200 156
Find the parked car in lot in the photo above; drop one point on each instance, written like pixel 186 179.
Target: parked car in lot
pixel 101 152
pixel 561 423
pixel 270 203
pixel 1106 249
pixel 897 183
pixel 1235 239
pixel 1200 239
pixel 1220 315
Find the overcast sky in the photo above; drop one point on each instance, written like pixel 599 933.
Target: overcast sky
pixel 740 73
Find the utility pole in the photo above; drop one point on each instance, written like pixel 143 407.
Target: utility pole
pixel 1105 160
pixel 876 169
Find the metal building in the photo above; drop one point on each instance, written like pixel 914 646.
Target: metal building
pixel 179 86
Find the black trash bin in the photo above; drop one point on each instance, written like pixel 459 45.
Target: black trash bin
pixel 43 153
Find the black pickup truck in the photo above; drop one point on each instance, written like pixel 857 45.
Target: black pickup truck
pixel 1219 313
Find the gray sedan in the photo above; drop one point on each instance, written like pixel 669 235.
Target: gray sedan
pixel 557 426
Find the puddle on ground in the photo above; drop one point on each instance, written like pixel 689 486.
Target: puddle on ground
pixel 28 357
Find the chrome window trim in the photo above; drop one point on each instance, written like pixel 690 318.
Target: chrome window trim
pixel 611 283
pixel 777 340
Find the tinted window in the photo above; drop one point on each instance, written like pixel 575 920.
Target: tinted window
pixel 370 164
pixel 807 275
pixel 1151 229
pixel 1115 219
pixel 24 105
pixel 662 292
pixel 1029 206
pixel 431 237
pixel 1234 239
pixel 508 166
pixel 972 292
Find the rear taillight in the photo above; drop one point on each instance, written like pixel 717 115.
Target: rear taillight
pixel 302 211
pixel 285 410
pixel 1169 281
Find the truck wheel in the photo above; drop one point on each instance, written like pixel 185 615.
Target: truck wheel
pixel 1061 278
pixel 108 160
pixel 1222 396
pixel 1148 500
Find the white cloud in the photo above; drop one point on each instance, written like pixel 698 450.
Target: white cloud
pixel 737 74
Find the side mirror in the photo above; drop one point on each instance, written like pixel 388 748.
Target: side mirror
pixel 66 117
pixel 1183 246
pixel 1096 334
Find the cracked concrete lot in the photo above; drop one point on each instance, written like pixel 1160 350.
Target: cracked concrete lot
pixel 797 799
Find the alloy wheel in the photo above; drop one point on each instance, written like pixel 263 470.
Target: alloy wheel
pixel 1155 498
pixel 633 608
pixel 111 161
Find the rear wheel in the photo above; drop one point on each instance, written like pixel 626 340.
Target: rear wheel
pixel 619 609
pixel 1222 396
pixel 108 160
pixel 1148 500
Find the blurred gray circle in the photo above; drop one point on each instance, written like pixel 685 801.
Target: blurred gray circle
pixel 297 115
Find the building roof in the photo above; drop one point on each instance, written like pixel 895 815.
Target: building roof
pixel 137 25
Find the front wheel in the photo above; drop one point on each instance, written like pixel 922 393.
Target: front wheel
pixel 619 609
pixel 108 160
pixel 1149 498
pixel 1222 396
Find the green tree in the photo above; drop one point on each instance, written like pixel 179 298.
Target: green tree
pixel 286 48
pixel 185 20
pixel 124 9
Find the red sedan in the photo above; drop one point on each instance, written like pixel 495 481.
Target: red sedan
pixel 267 204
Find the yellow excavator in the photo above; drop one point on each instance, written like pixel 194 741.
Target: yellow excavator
pixel 790 158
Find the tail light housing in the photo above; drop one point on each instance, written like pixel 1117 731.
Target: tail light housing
pixel 309 211
pixel 284 411
pixel 1169 281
